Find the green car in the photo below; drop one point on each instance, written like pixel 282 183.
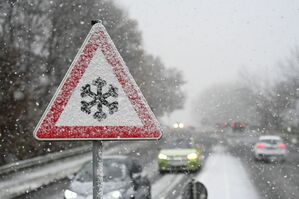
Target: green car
pixel 179 155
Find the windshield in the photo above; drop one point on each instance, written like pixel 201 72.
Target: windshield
pixel 181 89
pixel 178 144
pixel 113 171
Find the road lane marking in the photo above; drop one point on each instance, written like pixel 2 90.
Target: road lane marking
pixel 164 185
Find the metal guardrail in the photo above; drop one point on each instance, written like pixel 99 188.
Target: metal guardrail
pixel 16 166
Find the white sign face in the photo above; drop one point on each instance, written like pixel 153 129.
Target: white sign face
pixel 98 99
pixel 124 116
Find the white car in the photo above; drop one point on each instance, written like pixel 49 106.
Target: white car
pixel 270 148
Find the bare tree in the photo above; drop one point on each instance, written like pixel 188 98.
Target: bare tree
pixel 225 102
pixel 38 41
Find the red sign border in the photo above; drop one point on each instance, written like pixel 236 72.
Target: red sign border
pixel 46 129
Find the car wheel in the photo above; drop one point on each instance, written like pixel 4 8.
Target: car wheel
pixel 199 168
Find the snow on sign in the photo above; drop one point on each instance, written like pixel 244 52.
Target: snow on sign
pixel 98 99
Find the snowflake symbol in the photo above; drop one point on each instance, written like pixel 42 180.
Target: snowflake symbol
pixel 99 99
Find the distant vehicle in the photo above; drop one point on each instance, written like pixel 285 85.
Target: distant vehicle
pixel 237 126
pixel 270 148
pixel 122 180
pixel 179 155
pixel 220 125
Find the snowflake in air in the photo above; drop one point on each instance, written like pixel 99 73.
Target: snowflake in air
pixel 99 99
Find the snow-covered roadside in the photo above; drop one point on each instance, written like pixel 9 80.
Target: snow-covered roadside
pixel 225 177
pixel 30 179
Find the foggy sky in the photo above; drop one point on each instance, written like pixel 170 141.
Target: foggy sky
pixel 212 40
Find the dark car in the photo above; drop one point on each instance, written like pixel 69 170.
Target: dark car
pixel 122 180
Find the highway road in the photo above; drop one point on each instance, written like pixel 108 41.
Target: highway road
pixel 229 171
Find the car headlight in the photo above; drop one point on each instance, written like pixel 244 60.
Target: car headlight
pixel 192 156
pixel 68 194
pixel 113 195
pixel 162 156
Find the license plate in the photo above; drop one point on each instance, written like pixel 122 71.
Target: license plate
pixel 177 158
pixel 271 148
pixel 177 163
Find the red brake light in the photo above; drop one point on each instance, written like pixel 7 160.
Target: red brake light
pixel 260 146
pixel 282 146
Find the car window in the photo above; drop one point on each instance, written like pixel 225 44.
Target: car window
pixel 273 141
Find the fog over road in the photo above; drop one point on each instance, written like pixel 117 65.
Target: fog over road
pixel 229 171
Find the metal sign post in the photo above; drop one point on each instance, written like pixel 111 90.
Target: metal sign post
pixel 97 166
pixel 97 161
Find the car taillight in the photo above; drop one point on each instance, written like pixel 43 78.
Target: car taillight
pixel 282 146
pixel 260 146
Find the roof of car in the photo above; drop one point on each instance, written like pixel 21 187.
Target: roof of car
pixel 270 137
pixel 118 157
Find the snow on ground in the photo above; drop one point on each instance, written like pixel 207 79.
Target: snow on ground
pixel 225 177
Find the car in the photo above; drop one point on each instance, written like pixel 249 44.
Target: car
pixel 122 177
pixel 179 155
pixel 270 148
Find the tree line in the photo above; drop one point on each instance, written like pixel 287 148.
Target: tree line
pixel 267 100
pixel 38 41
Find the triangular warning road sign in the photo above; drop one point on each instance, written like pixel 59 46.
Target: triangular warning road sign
pixel 98 99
